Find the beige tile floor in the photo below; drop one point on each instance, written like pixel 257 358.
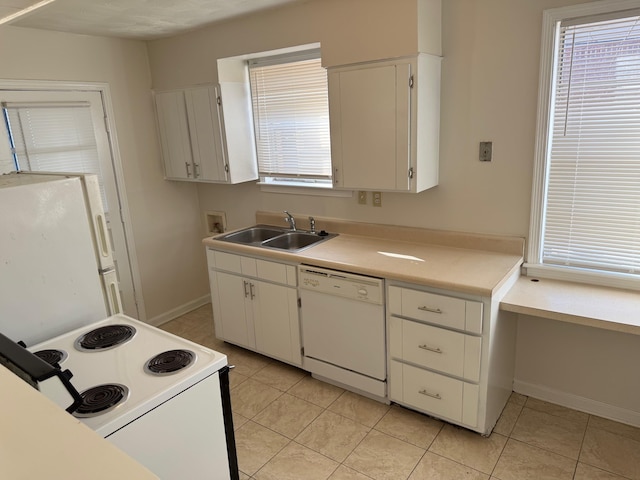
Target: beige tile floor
pixel 290 426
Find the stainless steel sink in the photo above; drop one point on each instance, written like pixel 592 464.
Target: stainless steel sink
pixel 293 241
pixel 257 234
pixel 267 236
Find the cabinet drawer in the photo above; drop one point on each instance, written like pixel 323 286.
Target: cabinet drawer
pixel 435 348
pixel 438 309
pixel 227 261
pixel 276 272
pixel 230 262
pixel 435 394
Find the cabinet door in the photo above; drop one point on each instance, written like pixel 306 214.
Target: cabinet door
pixel 202 114
pixel 276 322
pixel 235 309
pixel 174 135
pixel 370 117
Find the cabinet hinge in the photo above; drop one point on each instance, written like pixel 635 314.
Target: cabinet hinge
pixel 302 351
pixel 411 81
pixel 411 172
pixel 219 100
pixel 299 303
pixel 226 167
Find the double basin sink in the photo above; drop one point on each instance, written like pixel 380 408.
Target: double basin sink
pixel 268 236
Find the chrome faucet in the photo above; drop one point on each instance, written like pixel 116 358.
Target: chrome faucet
pixel 312 225
pixel 290 220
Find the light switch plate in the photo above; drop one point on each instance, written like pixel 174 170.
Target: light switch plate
pixel 362 197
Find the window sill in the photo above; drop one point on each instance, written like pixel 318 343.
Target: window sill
pixel 593 306
pixel 308 191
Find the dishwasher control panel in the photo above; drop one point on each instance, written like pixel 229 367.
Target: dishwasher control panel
pixel 342 284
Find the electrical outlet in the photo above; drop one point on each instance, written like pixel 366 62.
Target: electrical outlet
pixel 362 197
pixel 486 151
pixel 377 199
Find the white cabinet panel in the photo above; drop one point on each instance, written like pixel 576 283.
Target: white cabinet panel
pixel 255 305
pixel 174 135
pixel 196 145
pixel 206 151
pixel 435 348
pixel 276 322
pixel 385 124
pixel 442 310
pixel 236 314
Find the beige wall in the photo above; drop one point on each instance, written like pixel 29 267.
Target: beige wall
pixel 490 81
pixel 167 226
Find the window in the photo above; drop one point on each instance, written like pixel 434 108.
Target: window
pixel 54 137
pixel 586 204
pixel 291 119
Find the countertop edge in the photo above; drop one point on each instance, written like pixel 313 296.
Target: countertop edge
pixel 580 304
pixel 307 257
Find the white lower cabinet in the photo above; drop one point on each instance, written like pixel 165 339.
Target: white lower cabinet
pixel 441 353
pixel 255 304
pixel 438 395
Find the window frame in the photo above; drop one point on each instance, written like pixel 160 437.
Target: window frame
pixel 547 78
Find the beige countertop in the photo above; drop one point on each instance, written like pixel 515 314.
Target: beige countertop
pixel 436 259
pixel 40 440
pixel 590 305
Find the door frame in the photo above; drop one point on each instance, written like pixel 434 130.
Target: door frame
pixel 105 93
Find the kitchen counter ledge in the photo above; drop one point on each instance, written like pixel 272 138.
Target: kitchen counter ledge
pixel 40 440
pixel 466 263
pixel 594 306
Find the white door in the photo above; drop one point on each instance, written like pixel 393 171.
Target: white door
pixel 65 131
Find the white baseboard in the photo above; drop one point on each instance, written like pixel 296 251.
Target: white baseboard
pixel 583 404
pixel 181 310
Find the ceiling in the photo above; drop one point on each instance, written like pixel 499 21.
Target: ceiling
pixel 135 19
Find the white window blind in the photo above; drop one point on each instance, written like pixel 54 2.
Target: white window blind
pixel 54 137
pixel 592 214
pixel 291 118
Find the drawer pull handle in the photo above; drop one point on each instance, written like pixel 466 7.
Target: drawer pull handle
pixel 430 349
pixel 246 284
pixel 424 308
pixel 429 394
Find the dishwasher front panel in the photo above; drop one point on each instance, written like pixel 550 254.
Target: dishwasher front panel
pixel 344 332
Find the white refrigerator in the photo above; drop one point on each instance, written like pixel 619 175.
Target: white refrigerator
pixel 56 264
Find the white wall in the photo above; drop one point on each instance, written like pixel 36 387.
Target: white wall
pixel 587 368
pixel 167 225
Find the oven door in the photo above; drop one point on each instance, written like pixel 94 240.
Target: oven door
pixel 185 437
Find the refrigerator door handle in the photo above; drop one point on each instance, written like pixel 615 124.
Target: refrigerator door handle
pixel 103 239
pixel 112 292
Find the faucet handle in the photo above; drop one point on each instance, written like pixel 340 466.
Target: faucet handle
pixel 312 224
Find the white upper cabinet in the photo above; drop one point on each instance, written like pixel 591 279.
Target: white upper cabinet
pixel 195 144
pixel 385 123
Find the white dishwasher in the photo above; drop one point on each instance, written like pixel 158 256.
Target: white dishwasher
pixel 343 329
